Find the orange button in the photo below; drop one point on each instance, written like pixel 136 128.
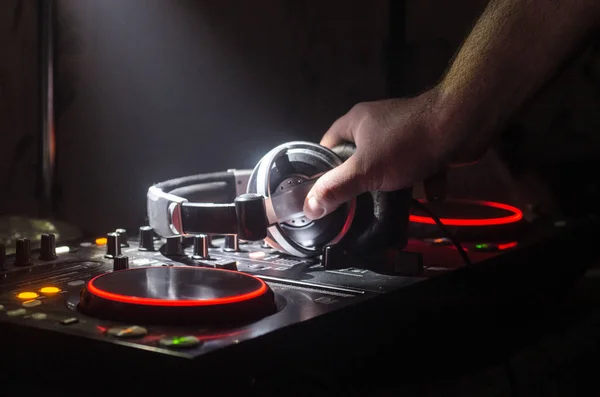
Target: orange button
pixel 50 290
pixel 27 295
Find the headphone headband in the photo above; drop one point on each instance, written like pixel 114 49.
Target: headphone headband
pixel 217 203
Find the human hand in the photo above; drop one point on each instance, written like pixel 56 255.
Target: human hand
pixel 399 142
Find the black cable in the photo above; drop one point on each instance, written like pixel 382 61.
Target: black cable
pixel 444 230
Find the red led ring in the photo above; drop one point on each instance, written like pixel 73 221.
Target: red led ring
pixel 515 216
pixel 178 302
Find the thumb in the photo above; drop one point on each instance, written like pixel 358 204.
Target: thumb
pixel 334 188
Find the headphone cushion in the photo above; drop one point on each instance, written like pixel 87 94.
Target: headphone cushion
pixel 381 218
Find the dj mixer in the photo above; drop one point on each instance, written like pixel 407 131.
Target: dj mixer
pixel 210 304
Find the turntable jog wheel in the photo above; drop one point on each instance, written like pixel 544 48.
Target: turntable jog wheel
pixel 469 220
pixel 177 295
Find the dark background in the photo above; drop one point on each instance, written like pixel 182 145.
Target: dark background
pixel 152 89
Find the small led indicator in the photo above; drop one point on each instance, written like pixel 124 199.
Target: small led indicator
pixel 101 241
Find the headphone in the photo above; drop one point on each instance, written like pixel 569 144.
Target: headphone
pixel 266 204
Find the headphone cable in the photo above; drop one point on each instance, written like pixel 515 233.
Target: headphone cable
pixel 445 231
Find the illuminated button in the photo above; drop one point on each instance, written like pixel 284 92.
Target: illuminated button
pixel 101 241
pixel 39 316
pixel 50 290
pixel 180 342
pixel 27 295
pixel 133 331
pixel 69 321
pixel 15 313
pixel 32 303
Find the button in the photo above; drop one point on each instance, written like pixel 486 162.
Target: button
pixel 146 239
pixel 49 290
pixel 32 303
pixel 27 295
pixel 16 312
pixel 228 265
pixel 133 331
pixel 69 321
pixel 1 307
pixel 75 283
pixel 48 247
pixel 180 342
pixel 39 316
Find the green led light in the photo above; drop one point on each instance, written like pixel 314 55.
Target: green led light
pixel 480 246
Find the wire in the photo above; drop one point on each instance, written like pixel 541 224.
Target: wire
pixel 445 231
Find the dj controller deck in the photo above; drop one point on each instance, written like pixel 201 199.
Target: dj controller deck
pixel 218 303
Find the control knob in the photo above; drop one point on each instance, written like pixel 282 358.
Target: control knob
pixel 23 254
pixel 120 262
pixel 200 247
pixel 2 257
pixel 48 247
pixel 123 240
pixel 174 246
pixel 146 239
pixel 113 245
pixel 232 243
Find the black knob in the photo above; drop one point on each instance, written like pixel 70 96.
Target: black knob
pixel 113 245
pixel 200 247
pixel 122 237
pixel 2 257
pixel 23 254
pixel 174 246
pixel 251 217
pixel 231 243
pixel 146 239
pixel 120 262
pixel 48 247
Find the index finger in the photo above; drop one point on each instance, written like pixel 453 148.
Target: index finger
pixel 339 132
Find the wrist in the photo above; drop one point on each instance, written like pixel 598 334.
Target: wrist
pixel 460 129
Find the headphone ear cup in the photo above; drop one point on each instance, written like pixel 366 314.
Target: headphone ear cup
pixel 381 218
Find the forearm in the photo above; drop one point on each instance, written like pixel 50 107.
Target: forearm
pixel 514 48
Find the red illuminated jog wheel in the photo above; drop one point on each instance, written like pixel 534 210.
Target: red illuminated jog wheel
pixel 177 295
pixel 472 213
pixel 468 219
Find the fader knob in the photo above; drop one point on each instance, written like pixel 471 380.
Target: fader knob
pixel 120 262
pixel 23 254
pixel 2 257
pixel 122 237
pixel 113 245
pixel 231 243
pixel 48 247
pixel 174 246
pixel 200 247
pixel 146 239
